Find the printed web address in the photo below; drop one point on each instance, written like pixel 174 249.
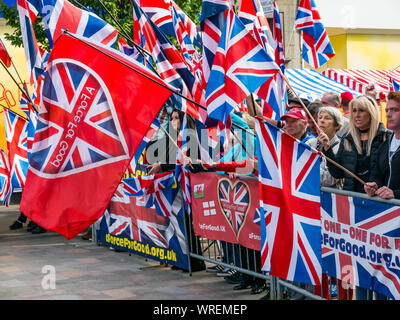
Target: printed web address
pixel 210 227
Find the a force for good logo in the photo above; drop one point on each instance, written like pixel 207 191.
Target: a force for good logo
pixel 75 127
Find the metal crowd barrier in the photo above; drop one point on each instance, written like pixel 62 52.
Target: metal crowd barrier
pixel 244 260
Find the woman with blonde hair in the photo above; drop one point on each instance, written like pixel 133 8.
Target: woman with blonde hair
pixel 366 134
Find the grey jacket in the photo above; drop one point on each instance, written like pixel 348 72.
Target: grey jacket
pixel 326 178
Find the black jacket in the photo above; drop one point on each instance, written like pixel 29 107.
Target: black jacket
pixel 385 172
pixel 163 150
pixel 348 159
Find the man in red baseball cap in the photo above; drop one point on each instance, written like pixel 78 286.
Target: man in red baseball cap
pixel 296 124
pixel 346 98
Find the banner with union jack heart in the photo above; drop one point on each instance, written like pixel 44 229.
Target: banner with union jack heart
pixel 90 124
pixel 226 209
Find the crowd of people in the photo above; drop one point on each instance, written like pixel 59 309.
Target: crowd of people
pixel 344 128
pixel 349 131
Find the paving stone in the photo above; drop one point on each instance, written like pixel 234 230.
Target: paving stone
pixel 87 271
pixel 12 283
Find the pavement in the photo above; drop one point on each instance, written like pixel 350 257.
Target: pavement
pixel 49 267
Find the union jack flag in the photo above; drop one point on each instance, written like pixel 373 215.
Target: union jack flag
pixel 289 177
pixel 27 108
pixel 127 217
pixel 362 267
pixel 181 170
pixel 240 67
pixel 189 25
pixel 159 11
pixel 317 48
pixel 17 145
pixel 69 92
pixel 4 56
pixel 143 185
pixel 212 18
pixel 394 86
pixel 273 92
pixel 61 14
pixel 278 38
pixel 186 45
pixel 133 52
pixel 82 139
pixel 170 64
pixel 5 183
pixel 124 219
pixel 234 202
pixel 27 13
pixel 251 12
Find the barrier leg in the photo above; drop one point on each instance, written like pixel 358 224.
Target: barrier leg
pixel 188 238
pixel 275 287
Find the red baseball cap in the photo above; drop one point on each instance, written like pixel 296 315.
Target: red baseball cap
pixel 346 97
pixel 295 113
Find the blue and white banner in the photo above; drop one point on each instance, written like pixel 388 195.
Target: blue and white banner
pixel 361 243
pixel 152 227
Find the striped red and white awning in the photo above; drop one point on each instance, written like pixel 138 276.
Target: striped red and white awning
pixel 358 80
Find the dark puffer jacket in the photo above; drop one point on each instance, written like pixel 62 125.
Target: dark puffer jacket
pixel 386 173
pixel 348 159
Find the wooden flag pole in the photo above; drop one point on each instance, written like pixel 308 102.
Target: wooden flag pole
pixel 298 98
pixel 345 170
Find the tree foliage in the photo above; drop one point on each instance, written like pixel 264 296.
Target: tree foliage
pixel 10 14
pixel 121 10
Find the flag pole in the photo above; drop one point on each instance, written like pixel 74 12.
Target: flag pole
pixel 12 62
pixel 20 79
pixel 140 49
pixel 319 130
pixel 345 170
pixel 194 102
pixel 3 106
pixel 137 71
pixel 23 92
pixel 387 74
pixel 174 142
pixel 146 76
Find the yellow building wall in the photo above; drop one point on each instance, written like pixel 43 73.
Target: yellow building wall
pixel 380 52
pixel 364 51
pixel 10 95
pixel 339 44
